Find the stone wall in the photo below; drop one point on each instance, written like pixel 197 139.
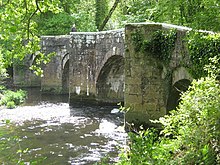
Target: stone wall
pixel 23 76
pixel 82 64
pixel 51 82
pixel 91 55
pixel 149 80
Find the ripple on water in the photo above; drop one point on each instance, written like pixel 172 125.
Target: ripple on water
pixel 44 111
pixel 64 134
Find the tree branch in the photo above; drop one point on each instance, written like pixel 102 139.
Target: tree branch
pixel 26 10
pixel 109 15
pixel 36 2
pixel 29 22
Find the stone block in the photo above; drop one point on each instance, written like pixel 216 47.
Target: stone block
pixel 134 98
pixel 150 106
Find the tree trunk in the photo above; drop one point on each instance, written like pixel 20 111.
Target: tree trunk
pixel 109 15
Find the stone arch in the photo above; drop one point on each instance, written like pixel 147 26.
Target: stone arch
pixel 180 74
pixel 65 74
pixel 32 59
pixel 65 78
pixel 64 60
pixel 115 51
pixel 181 80
pixel 110 81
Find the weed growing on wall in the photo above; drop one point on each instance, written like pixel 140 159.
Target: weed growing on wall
pixel 160 45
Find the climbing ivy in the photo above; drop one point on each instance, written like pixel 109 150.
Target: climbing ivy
pixel 160 45
pixel 137 40
pixel 202 47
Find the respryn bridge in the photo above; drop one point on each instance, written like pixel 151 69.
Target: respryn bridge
pixel 122 65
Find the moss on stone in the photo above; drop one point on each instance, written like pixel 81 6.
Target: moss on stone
pixel 160 44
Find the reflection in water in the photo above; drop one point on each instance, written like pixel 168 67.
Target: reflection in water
pixel 54 133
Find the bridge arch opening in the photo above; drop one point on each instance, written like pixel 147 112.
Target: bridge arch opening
pixel 175 93
pixel 110 81
pixel 65 78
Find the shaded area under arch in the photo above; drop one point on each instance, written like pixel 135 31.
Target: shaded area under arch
pixel 110 82
pixel 65 78
pixel 175 93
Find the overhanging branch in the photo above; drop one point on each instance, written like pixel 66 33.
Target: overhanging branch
pixel 109 15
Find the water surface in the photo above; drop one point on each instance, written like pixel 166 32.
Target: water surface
pixel 49 131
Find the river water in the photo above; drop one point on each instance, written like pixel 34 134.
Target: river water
pixel 46 130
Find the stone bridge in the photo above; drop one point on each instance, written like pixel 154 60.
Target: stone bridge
pixel 116 66
pixel 88 66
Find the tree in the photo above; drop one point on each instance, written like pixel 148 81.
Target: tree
pixel 18 29
pixel 198 14
pixel 101 12
pixel 109 15
pixel 84 15
pixel 78 12
pixel 3 73
pixel 55 24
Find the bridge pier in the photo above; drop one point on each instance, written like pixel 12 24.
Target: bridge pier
pixel 96 71
pixel 149 70
pixel 52 81
pixel 82 68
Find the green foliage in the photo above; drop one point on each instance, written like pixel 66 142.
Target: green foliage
pixel 81 13
pixel 138 11
pixel 40 60
pixel 11 98
pixel 55 24
pixel 18 28
pixel 190 134
pixel 23 22
pixel 2 88
pixel 202 47
pixel 10 104
pixel 84 15
pixel 160 45
pixel 69 6
pixel 213 68
pixel 142 149
pixel 3 73
pixel 101 12
pixel 196 123
pixel 199 14
pixel 146 147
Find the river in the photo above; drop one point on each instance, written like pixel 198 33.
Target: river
pixel 46 130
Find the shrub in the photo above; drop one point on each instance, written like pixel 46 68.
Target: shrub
pixel 195 124
pixel 190 134
pixel 11 98
pixel 10 105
